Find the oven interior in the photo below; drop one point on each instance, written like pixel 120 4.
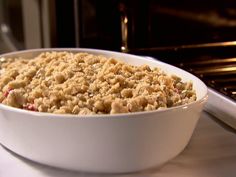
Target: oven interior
pixel 196 35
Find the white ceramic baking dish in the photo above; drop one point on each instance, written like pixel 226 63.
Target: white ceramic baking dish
pixel 103 143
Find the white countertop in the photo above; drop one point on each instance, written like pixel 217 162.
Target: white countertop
pixel 210 153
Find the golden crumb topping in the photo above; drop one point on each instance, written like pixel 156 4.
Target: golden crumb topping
pixel 82 83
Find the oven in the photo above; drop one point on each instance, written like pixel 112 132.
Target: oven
pixel 198 36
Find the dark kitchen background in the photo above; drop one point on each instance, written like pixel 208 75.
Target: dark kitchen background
pixel 197 35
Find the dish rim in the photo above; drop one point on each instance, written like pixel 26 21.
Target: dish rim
pixel 120 115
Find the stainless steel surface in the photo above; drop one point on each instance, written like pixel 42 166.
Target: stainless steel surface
pixel 48 22
pixel 27 24
pixel 3 47
pixel 188 46
pixel 32 23
pixel 216 69
pixel 77 22
pixel 7 37
pixel 210 62
pixel 124 27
